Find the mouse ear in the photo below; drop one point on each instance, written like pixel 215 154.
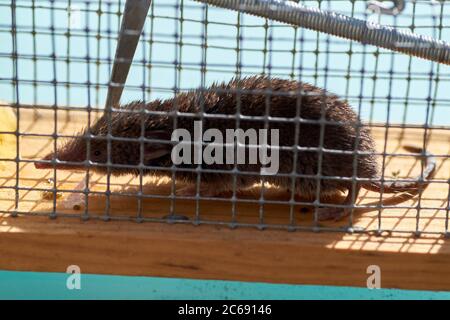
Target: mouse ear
pixel 154 150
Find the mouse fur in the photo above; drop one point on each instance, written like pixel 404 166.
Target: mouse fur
pixel 254 96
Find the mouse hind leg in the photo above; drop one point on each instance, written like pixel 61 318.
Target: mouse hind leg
pixel 330 213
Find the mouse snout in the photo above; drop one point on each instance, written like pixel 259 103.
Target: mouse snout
pixel 45 165
pixel 50 161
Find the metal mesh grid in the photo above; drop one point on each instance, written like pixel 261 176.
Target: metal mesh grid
pixel 58 56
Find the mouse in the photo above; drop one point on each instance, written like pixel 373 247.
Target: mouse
pixel 322 142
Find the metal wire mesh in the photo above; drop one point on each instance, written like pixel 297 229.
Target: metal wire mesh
pixel 56 59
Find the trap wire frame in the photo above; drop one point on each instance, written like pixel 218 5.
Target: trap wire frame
pixel 343 26
pixel 234 200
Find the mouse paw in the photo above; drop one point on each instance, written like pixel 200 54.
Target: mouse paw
pixel 331 213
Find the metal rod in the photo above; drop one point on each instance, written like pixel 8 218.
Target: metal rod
pixel 130 31
pixel 380 7
pixel 342 26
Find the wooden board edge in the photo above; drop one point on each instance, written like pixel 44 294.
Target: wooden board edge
pixel 209 252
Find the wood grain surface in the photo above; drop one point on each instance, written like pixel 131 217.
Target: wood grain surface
pixel 37 243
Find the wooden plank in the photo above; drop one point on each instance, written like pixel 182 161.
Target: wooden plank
pixel 212 252
pixel 206 252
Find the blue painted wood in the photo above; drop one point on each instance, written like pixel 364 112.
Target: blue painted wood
pixel 41 285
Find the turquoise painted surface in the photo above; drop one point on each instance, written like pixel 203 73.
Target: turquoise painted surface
pixel 39 285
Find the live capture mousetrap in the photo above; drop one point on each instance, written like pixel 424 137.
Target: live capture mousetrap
pixel 67 69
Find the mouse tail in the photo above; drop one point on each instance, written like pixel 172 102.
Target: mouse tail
pixel 407 186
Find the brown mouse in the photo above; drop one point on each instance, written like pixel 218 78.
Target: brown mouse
pixel 289 106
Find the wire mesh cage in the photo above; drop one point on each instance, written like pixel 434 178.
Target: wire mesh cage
pixel 204 69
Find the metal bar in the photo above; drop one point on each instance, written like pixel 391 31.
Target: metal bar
pixel 130 31
pixel 379 6
pixel 343 26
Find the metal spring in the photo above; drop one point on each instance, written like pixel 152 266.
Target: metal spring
pixel 340 25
